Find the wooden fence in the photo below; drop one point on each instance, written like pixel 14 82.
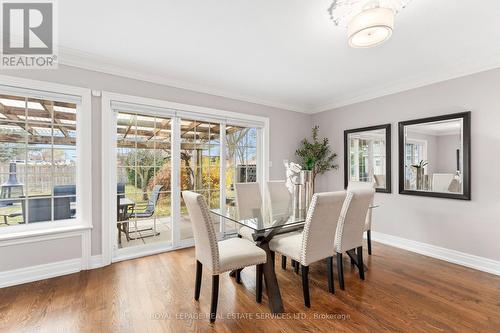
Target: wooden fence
pixel 41 178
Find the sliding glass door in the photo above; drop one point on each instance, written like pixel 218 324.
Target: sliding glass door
pixel 241 164
pixel 199 166
pixel 159 154
pixel 143 169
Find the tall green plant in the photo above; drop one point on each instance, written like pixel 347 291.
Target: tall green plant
pixel 316 155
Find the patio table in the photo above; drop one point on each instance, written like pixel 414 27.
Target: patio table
pixel 124 206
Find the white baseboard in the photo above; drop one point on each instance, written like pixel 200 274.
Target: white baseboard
pixel 39 272
pixel 456 257
pixel 96 261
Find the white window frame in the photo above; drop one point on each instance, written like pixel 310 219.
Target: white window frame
pixel 421 142
pixel 48 90
pixel 176 110
pixel 371 155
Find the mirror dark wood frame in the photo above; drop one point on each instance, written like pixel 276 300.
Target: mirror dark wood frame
pixel 388 175
pixel 466 151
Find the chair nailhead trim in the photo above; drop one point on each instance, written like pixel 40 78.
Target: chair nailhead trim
pixel 340 226
pixel 211 233
pixel 307 227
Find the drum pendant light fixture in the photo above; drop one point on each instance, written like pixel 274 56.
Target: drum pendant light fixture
pixel 369 23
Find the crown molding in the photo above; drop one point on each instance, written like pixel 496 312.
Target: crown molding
pixel 459 69
pixel 80 59
pixel 84 60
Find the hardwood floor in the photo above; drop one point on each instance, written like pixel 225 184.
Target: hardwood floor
pixel 403 292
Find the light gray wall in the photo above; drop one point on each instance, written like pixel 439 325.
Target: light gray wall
pixel 39 253
pixel 286 130
pixel 469 226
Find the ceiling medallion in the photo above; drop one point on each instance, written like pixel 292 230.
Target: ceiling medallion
pixel 369 22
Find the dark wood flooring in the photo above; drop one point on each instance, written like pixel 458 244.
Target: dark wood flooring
pixel 403 292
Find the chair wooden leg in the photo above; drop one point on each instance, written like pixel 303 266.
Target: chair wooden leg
pixel 329 263
pixel 273 255
pixel 340 267
pixel 127 231
pixel 305 285
pixel 258 277
pixel 215 297
pixel 197 283
pixel 119 234
pixel 369 241
pixel 296 267
pixel 361 266
pixel 238 276
pixel 283 262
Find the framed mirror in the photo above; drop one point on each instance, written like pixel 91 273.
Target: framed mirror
pixel 367 156
pixel 434 156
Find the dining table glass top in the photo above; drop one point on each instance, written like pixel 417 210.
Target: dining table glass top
pixel 260 221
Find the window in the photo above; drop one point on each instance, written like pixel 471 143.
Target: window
pixel 143 177
pixel 200 165
pixel 360 170
pixel 367 158
pixel 42 161
pixel 37 160
pixel 415 152
pixel 241 158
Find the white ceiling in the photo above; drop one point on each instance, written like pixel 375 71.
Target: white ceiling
pixel 284 53
pixel 438 128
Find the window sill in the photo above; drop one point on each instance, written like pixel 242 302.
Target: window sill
pixel 26 234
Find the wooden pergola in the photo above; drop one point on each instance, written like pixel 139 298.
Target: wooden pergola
pixel 139 133
pixel 33 120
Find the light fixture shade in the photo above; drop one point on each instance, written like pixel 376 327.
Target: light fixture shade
pixel 371 27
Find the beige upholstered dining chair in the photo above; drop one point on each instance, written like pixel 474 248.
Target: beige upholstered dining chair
pixel 280 204
pixel 349 234
pixel 248 205
pixel 368 221
pixel 280 199
pixel 219 257
pixel 316 241
pixel 379 180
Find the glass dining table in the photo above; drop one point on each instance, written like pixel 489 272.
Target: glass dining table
pixel 264 227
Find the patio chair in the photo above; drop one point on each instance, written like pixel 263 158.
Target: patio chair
pixel 120 190
pixel 40 209
pixel 145 211
pixel 66 190
pixel 70 191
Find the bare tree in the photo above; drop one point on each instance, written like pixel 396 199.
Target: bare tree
pixel 233 141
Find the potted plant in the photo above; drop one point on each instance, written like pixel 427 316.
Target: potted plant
pixel 419 171
pixel 316 156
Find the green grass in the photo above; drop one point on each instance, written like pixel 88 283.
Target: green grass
pixel 16 208
pixel 163 207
